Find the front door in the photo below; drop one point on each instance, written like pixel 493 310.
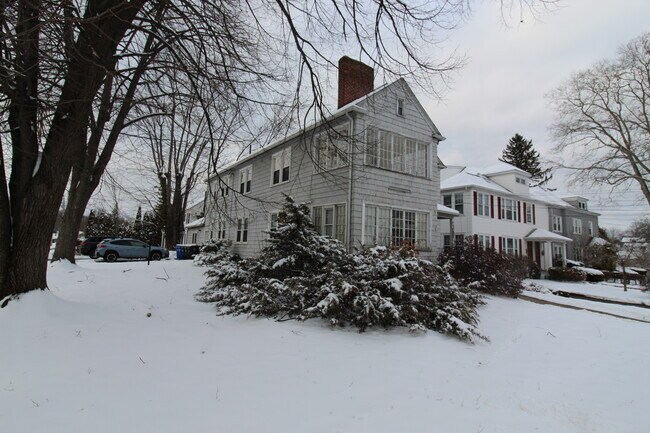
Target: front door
pixel 534 250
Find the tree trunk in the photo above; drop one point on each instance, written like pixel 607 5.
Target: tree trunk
pixel 66 243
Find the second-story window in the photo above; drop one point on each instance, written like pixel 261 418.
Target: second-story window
pixel 509 210
pixel 394 152
pixel 577 226
pixel 245 179
pixel 454 201
pixel 280 164
pixel 400 107
pixel 332 149
pixel 557 223
pixel 529 213
pixel 483 206
pixel 226 185
pixel 590 227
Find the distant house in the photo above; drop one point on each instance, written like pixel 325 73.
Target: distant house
pixel 369 172
pixel 570 216
pixel 194 223
pixel 498 209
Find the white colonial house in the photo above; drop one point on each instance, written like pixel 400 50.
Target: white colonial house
pixel 369 172
pixel 499 209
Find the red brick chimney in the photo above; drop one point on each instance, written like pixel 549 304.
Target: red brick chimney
pixel 356 79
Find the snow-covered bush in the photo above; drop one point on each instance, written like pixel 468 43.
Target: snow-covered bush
pixel 603 257
pixel 485 270
pixel 302 275
pixel 592 275
pixel 566 274
pixel 213 251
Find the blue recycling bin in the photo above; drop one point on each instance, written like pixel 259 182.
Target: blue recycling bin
pixel 180 252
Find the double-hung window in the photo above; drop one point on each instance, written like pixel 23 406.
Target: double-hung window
pixel 330 221
pixel 529 213
pixel 484 241
pixel 332 149
pixel 221 229
pixel 577 226
pixel 590 228
pixel 557 223
pixel 390 226
pixel 245 179
pixel 273 222
pixel 483 207
pixel 242 230
pixel 510 246
pixel 508 209
pixel 394 152
pixel 454 201
pixel 400 107
pixel 280 165
pixel 226 184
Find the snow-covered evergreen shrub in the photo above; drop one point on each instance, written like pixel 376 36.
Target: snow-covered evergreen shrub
pixel 485 269
pixel 566 274
pixel 212 252
pixel 302 275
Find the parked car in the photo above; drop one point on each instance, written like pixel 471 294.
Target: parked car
pixel 88 246
pixel 124 248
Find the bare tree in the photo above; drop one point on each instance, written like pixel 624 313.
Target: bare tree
pixel 57 59
pixel 602 120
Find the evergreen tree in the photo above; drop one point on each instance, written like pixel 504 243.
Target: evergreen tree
pixel 91 224
pixel 136 228
pixel 521 153
pixel 151 229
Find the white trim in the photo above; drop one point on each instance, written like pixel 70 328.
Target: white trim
pixel 430 214
pixel 281 153
pixel 244 169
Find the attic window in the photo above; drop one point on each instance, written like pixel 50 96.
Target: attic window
pixel 400 107
pixel 520 180
pixel 582 205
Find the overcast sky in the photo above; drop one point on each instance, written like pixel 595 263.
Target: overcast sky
pixel 502 88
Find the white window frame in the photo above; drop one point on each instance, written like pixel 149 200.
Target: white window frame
pixel 245 179
pixel 273 221
pixel 506 249
pixel 194 237
pixel 577 226
pixel 380 218
pixel 504 209
pixel 557 223
pixel 520 180
pixel 395 152
pixel 401 107
pixel 483 204
pixel 582 205
pixel 528 211
pixel 221 229
pixel 484 241
pixel 242 230
pixel 332 148
pixel 281 163
pixel 226 184
pixel 590 228
pixel 339 220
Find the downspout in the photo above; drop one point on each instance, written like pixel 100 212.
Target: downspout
pixel 350 179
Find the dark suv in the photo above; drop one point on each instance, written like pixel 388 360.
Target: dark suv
pixel 88 247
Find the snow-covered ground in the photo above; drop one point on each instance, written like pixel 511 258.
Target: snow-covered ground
pixel 604 290
pixel 85 357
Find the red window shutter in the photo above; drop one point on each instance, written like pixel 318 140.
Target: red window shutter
pixel 500 246
pixel 519 211
pixel 499 209
pixel 534 215
pixel 493 245
pixel 475 203
pixel 520 252
pixel 492 207
pixel 524 206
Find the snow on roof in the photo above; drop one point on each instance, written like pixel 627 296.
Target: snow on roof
pixel 545 235
pixel 502 167
pixel 197 223
pixel 598 241
pixel 195 203
pixel 540 193
pixel 447 210
pixel 468 177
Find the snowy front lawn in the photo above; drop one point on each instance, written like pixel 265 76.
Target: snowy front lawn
pixel 86 357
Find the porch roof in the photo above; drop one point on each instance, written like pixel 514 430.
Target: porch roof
pixel 545 235
pixel 446 212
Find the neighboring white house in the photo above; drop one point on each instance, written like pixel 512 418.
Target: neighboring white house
pixel 497 209
pixel 194 223
pixel 369 172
